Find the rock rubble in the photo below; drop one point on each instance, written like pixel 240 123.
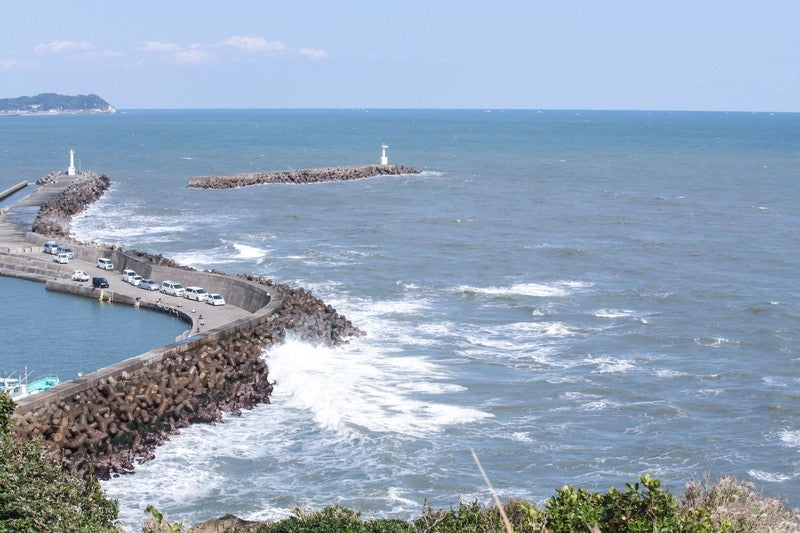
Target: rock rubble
pixel 311 175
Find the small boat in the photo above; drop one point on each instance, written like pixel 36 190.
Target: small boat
pixel 13 388
pixel 16 388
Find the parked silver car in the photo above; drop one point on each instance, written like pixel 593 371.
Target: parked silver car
pixel 149 285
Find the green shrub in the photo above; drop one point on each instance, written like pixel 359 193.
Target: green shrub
pixel 643 507
pixel 38 494
pixel 573 509
pixel 334 520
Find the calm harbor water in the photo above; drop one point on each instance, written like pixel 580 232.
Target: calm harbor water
pixel 54 334
pixel 581 297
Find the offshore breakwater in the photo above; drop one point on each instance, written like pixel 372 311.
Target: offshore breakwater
pixel 311 175
pixel 107 420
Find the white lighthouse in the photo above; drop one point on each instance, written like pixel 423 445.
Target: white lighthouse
pixel 384 159
pixel 71 169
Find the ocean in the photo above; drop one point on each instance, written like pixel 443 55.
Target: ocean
pixel 581 297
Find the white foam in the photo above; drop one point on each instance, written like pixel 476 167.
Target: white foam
pixel 790 438
pixel 521 436
pixel 769 477
pixel 599 405
pixel 610 365
pixel 668 373
pixel 436 328
pixel 406 307
pixel 713 342
pixel 179 481
pixel 250 252
pixel 613 313
pixel 554 290
pixel 395 494
pixel 359 387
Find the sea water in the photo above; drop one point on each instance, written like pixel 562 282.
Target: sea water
pixel 581 297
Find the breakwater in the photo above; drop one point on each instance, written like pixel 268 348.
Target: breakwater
pixel 107 420
pixel 111 418
pixel 11 190
pixel 311 175
pixel 55 214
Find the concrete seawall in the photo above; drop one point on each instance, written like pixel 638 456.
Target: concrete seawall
pixel 11 190
pixel 110 418
pixel 114 416
pixel 311 175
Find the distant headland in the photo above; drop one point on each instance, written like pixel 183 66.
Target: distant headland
pixel 54 104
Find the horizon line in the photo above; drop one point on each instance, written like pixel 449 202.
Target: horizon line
pixel 483 109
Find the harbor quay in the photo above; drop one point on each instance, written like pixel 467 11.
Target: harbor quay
pixel 107 420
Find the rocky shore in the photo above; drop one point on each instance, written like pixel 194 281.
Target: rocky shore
pixel 311 175
pixel 108 420
pixel 55 215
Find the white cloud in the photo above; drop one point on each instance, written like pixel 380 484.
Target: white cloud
pixel 194 55
pixel 76 51
pixel 313 54
pixel 254 44
pixel 8 64
pixel 160 47
pixel 61 47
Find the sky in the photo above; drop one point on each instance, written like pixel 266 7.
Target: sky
pixel 714 55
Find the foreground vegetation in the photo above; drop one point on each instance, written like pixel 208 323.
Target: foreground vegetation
pixel 726 506
pixel 38 494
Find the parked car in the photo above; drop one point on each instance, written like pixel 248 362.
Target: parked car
pixel 215 299
pixel 149 285
pixel 61 258
pixel 80 275
pixel 65 250
pixel 127 274
pixel 172 287
pixel 99 282
pixel 105 263
pixel 196 293
pixel 135 280
pixel 49 247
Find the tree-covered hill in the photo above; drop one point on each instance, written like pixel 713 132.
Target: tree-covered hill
pixel 55 103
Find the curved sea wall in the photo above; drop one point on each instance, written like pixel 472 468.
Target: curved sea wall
pixel 117 415
pixel 107 420
pixel 310 175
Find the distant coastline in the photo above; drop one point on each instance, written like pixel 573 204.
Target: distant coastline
pixel 55 104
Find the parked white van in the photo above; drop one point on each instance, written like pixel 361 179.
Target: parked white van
pixel 61 258
pixel 127 274
pixel 196 293
pixel 172 287
pixel 105 263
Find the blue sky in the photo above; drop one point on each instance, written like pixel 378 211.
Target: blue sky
pixel 735 55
